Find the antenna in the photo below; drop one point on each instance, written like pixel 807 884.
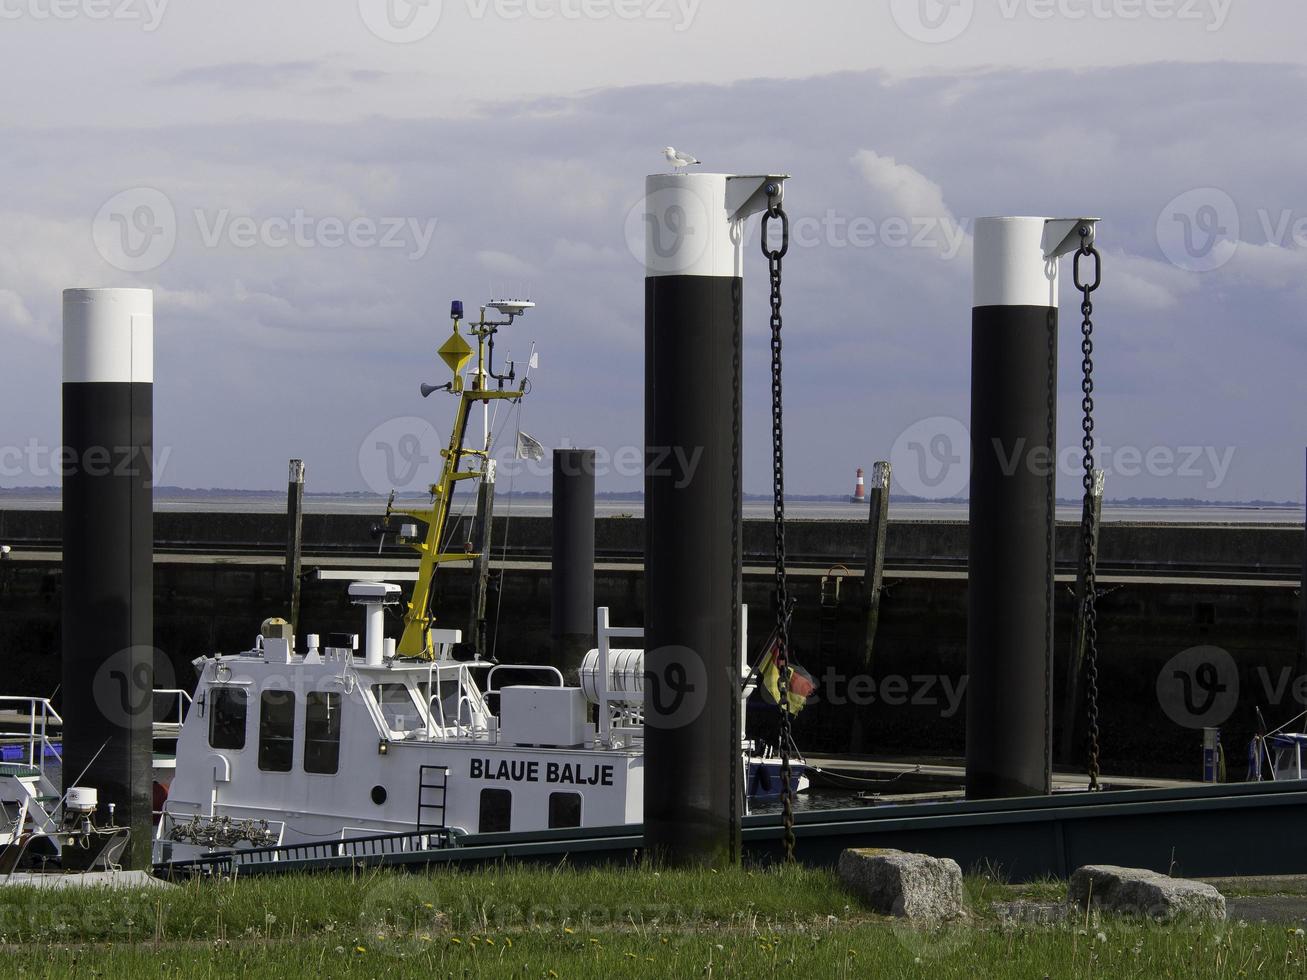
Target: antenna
pixel 511 307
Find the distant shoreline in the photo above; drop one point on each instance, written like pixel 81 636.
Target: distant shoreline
pixel 220 495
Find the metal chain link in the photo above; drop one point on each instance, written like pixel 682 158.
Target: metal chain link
pixel 1087 522
pixel 774 257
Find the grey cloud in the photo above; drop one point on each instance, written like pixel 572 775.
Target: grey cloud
pixel 311 348
pixel 245 75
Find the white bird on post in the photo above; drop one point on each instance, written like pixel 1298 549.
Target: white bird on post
pixel 679 159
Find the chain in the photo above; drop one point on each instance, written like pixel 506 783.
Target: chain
pixel 1087 522
pixel 774 257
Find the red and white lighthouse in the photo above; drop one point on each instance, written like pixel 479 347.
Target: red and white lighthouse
pixel 859 489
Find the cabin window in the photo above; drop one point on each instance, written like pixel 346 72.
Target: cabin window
pixel 276 731
pixel 564 810
pixel 398 709
pixel 322 732
pixel 496 810
pixel 227 710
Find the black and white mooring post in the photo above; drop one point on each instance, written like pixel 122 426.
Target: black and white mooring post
pixel 108 550
pixel 1013 501
pixel 572 571
pixel 693 784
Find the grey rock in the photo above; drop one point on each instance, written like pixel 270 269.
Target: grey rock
pixel 1136 891
pixel 910 886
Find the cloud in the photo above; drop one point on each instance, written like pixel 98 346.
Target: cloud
pixel 319 76
pixel 901 189
pixel 312 346
pixel 1145 285
pixel 15 315
pixel 505 264
pixel 1267 265
pixel 248 74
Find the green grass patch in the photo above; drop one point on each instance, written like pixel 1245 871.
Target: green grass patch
pixel 590 923
pixel 507 897
pixel 863 950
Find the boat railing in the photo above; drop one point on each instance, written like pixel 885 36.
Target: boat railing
pixel 31 722
pixel 229 863
pixel 608 699
pixel 534 668
pixel 174 713
pixel 488 732
pixel 470 717
pixel 471 729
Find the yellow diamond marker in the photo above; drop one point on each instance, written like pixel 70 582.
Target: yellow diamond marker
pixel 455 352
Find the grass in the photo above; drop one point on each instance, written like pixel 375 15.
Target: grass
pixel 600 923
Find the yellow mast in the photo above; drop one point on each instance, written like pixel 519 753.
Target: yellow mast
pixel 455 352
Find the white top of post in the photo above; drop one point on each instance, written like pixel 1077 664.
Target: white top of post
pixel 109 335
pixel 1016 259
pixel 694 223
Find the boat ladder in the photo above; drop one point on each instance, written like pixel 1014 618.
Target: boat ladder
pixel 433 782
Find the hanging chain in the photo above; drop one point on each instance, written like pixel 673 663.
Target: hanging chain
pixel 774 257
pixel 1087 530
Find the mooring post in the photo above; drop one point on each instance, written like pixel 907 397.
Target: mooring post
pixel 693 226
pixel 1013 496
pixel 1072 717
pixel 483 527
pixel 877 531
pixel 108 553
pixel 1302 600
pixel 294 538
pixel 572 571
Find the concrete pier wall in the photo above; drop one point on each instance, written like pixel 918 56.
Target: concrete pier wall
pixel 1245 548
pixel 1235 589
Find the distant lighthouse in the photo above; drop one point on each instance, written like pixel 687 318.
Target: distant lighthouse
pixel 859 489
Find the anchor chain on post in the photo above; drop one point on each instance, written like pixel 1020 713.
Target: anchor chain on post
pixel 774 257
pixel 1087 523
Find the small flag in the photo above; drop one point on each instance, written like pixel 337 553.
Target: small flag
pixel 528 448
pixel 801 684
pixel 534 362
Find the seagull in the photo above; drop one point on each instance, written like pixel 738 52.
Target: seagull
pixel 678 158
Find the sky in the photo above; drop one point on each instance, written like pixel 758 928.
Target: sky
pixel 306 185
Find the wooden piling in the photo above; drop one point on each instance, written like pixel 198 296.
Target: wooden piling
pixel 294 538
pixel 873 577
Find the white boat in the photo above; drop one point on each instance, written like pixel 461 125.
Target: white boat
pixel 1280 754
pixel 283 748
pixel 30 731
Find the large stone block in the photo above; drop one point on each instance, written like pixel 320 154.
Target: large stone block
pixel 1136 891
pixel 911 886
